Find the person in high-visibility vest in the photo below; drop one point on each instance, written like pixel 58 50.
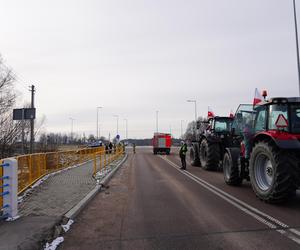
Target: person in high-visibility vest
pixel 182 154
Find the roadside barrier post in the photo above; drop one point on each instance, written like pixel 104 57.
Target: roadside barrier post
pixel 95 162
pixel 10 187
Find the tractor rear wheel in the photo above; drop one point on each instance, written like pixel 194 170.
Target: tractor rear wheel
pixel 271 173
pixel 209 155
pixel 194 155
pixel 231 169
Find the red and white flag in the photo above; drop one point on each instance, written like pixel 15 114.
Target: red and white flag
pixel 257 97
pixel 231 115
pixel 210 113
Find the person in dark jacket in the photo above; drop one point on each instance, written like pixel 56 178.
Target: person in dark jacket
pixel 110 146
pixel 182 154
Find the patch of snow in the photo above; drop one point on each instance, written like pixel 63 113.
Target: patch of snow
pixel 12 218
pixel 66 227
pixel 54 244
pixel 103 173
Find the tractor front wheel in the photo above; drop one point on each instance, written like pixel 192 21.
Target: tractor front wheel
pixel 231 168
pixel 209 155
pixel 271 173
pixel 194 156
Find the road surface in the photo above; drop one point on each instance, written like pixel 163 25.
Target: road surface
pixel 151 204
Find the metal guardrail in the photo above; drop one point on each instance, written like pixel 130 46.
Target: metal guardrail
pixel 104 157
pixel 33 167
pixel 25 170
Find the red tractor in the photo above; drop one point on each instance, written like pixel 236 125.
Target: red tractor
pixel 269 155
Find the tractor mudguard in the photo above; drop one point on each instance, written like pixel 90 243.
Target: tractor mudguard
pixel 281 139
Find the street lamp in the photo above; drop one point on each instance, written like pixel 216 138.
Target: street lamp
pixel 181 128
pixel 297 43
pixel 126 128
pixel 117 123
pixel 72 121
pixel 98 122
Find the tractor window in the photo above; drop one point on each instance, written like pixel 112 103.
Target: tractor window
pixel 260 121
pixel 295 118
pixel 222 126
pixel 274 112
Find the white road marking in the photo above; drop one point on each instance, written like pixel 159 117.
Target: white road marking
pixel 260 216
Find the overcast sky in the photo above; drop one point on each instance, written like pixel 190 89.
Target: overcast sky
pixel 136 57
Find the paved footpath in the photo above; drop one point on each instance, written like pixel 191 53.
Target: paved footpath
pixel 44 208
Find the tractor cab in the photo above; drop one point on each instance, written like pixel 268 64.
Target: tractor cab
pixel 220 124
pixel 244 117
pixel 278 119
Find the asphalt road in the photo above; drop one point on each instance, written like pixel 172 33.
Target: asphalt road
pixel 151 204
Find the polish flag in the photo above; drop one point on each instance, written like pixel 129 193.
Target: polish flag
pixel 257 97
pixel 231 115
pixel 210 113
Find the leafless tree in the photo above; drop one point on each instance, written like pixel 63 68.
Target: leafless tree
pixel 190 133
pixel 9 130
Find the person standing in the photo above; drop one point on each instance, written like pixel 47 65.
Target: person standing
pixel 182 154
pixel 133 147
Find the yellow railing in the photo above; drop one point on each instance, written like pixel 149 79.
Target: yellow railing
pixel 104 157
pixel 33 167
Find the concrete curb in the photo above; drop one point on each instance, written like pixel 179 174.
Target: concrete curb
pixel 71 214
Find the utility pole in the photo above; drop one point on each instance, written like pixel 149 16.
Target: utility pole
pixel 297 42
pixel 195 102
pixel 72 121
pixel 98 134
pixel 32 89
pixel 23 131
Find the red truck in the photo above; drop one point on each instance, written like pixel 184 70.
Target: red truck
pixel 162 143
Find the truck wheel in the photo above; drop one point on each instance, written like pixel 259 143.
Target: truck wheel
pixel 209 155
pixel 271 173
pixel 194 156
pixel 231 167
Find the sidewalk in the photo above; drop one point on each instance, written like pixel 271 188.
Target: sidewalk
pixel 45 207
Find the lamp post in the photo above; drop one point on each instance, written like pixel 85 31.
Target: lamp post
pixel 72 121
pixel 181 128
pixel 297 42
pixel 117 123
pixel 98 134
pixel 126 128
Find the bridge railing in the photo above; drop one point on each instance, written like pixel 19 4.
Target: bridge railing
pixel 20 173
pixel 35 166
pixel 103 158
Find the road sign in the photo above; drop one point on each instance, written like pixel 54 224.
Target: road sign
pixel 24 114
